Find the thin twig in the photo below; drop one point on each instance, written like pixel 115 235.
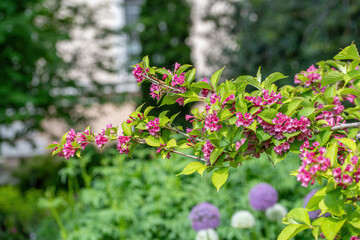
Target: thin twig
pixel 346 125
pixel 187 155
pixel 182 133
pixel 162 83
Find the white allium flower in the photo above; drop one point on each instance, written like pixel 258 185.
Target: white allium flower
pixel 207 234
pixel 243 219
pixel 276 212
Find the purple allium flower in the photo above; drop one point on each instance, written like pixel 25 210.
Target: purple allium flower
pixel 263 196
pixel 313 214
pixel 204 216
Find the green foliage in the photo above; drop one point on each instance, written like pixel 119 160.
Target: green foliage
pixel 286 36
pixel 19 214
pixel 142 199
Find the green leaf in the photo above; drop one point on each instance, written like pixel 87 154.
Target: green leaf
pixel 169 99
pixel 350 52
pixel 248 80
pixel 126 129
pixel 298 216
pixel 191 168
pixel 215 77
pixel 219 177
pixel 349 143
pixel 162 71
pixel 330 227
pixel 346 91
pixel 323 137
pixel 201 85
pixel 224 114
pixel 190 75
pixel 215 154
pixel 173 117
pixel 268 115
pixel 271 79
pixel 291 231
pixel 54 145
pixel 313 203
pixel 307 111
pixel 182 68
pixel 147 110
pixel 293 106
pixel 331 77
pixel 240 105
pixel 152 141
pixel 258 75
pixel 335 202
pixel 145 61
pixel 332 152
pixel 171 143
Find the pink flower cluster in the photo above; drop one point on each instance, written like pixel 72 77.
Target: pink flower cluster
pixel 178 80
pixel 312 163
pixel 212 122
pixel 282 148
pixel 266 99
pixel 153 126
pixel 138 73
pixel 354 238
pixel 214 98
pixel 123 144
pixel 307 77
pixel 346 176
pixel 81 138
pixel 155 91
pixel 207 149
pixel 100 140
pixel 339 108
pixel 285 124
pixel 69 149
pixel 244 119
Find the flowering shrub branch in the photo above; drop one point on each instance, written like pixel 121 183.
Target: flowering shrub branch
pixel 318 119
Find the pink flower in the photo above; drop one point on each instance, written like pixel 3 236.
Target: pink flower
pixel 153 126
pixel 123 144
pixel 180 101
pixel 245 119
pixel 214 98
pixel 100 140
pixel 138 73
pixel 68 150
pixel 71 135
pixel 212 122
pixel 155 91
pixel 207 149
pixel 178 80
pixel 354 160
pixel 177 66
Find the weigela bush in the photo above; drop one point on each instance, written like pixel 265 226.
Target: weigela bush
pixel 318 119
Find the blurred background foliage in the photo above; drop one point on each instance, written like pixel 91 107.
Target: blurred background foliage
pixel 284 36
pixel 35 83
pixel 108 196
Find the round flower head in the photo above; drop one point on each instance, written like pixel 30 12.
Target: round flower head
pixel 313 214
pixel 263 196
pixel 276 212
pixel 204 216
pixel 207 234
pixel 243 219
